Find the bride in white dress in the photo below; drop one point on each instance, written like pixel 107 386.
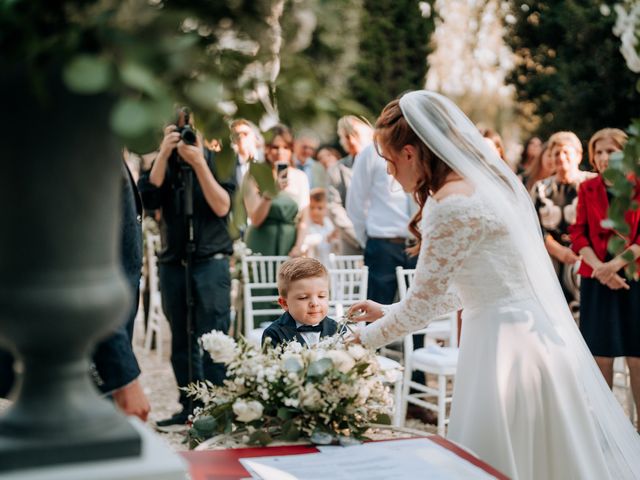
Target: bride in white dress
pixel 528 397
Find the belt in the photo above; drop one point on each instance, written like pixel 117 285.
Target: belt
pixel 396 240
pixel 215 256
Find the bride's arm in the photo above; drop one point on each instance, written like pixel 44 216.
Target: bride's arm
pixel 453 229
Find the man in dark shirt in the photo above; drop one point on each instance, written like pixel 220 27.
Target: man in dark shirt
pixel 164 187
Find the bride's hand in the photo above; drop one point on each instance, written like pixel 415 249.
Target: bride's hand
pixel 365 311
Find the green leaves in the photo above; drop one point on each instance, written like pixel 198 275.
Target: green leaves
pixel 263 175
pixel 206 93
pixel 260 437
pixel 139 77
pixel 205 426
pixel 319 367
pixel 87 74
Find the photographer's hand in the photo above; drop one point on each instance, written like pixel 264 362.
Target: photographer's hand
pixel 159 168
pixel 217 197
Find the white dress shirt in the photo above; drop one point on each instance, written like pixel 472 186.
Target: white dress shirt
pixel 376 203
pixel 310 337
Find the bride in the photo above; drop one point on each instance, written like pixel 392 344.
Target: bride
pixel 528 398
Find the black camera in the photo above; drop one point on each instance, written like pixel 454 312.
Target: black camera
pixel 187 133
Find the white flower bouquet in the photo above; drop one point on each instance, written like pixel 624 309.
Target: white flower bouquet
pixel 325 393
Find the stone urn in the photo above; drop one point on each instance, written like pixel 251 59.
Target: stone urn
pixel 61 290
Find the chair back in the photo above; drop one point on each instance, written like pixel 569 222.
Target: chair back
pixel 260 277
pixel 345 261
pixel 405 277
pixel 347 286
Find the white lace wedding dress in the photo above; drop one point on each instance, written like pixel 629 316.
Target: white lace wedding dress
pixel 517 402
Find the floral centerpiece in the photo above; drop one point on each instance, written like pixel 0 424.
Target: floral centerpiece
pixel 325 393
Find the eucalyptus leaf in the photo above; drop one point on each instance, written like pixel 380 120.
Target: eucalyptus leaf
pixel 319 367
pixel 260 437
pixel 383 419
pixel 205 93
pixel 131 118
pixel 292 365
pixel 205 425
pixel 263 176
pixel 348 441
pixel 87 74
pixel 290 431
pixel 321 438
pixel 628 256
pixel 141 78
pixel 615 245
pixel 284 413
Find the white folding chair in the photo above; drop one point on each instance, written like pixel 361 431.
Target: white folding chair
pixel 622 380
pixel 156 317
pixel 345 261
pixel 259 278
pixel 347 286
pixel 431 360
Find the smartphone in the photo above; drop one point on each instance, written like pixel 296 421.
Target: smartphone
pixel 281 169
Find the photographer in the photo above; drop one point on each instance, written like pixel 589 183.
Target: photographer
pixel 195 204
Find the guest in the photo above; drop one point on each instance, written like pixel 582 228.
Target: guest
pixel 609 304
pixel 304 150
pixel 321 235
pixel 556 199
pixel 542 167
pixel 494 140
pixel 380 211
pixel 354 134
pixel 303 288
pixel 278 223
pixel 248 143
pixel 530 152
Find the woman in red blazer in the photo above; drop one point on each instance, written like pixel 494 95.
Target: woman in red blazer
pixel 609 304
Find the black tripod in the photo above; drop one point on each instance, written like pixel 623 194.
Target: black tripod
pixel 186 174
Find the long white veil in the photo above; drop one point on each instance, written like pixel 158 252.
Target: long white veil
pixel 449 134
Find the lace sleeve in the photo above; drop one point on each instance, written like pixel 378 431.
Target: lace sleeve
pixel 450 230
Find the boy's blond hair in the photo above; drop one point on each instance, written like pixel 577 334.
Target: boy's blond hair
pixel 299 269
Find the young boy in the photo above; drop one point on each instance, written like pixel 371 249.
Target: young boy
pixel 322 236
pixel 303 286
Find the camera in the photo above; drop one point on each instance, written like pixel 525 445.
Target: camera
pixel 187 133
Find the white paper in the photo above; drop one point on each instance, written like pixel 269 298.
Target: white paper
pixel 413 458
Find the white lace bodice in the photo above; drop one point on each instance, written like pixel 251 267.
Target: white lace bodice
pixel 466 259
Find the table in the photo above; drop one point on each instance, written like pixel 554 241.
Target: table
pixel 225 464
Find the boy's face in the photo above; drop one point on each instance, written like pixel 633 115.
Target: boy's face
pixel 307 300
pixel 317 211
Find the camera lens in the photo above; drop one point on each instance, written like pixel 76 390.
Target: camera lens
pixel 188 136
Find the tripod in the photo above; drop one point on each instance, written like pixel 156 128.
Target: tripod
pixel 187 182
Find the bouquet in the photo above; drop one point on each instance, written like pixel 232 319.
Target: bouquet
pixel 325 393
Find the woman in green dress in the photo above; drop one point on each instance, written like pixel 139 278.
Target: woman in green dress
pixel 278 222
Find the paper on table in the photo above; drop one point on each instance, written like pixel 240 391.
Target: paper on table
pixel 371 461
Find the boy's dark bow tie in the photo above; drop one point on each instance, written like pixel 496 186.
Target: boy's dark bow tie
pixel 309 328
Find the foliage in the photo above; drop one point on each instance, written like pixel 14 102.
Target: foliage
pixel 569 72
pixel 394 44
pixel 624 167
pixel 260 59
pixel 323 393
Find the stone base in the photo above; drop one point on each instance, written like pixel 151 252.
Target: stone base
pixel 157 462
pixel 119 441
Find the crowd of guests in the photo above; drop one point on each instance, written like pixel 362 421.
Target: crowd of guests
pixel 326 202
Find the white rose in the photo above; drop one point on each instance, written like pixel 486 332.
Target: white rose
pixel 357 351
pixel 247 411
pixel 341 360
pixel 221 347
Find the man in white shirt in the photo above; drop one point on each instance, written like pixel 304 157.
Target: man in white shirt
pixel 380 211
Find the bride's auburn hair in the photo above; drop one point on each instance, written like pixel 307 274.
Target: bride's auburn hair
pixel 393 132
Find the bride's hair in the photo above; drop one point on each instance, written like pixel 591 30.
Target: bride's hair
pixel 393 132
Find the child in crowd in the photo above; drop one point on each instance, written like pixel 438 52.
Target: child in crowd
pixel 303 287
pixel 322 237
